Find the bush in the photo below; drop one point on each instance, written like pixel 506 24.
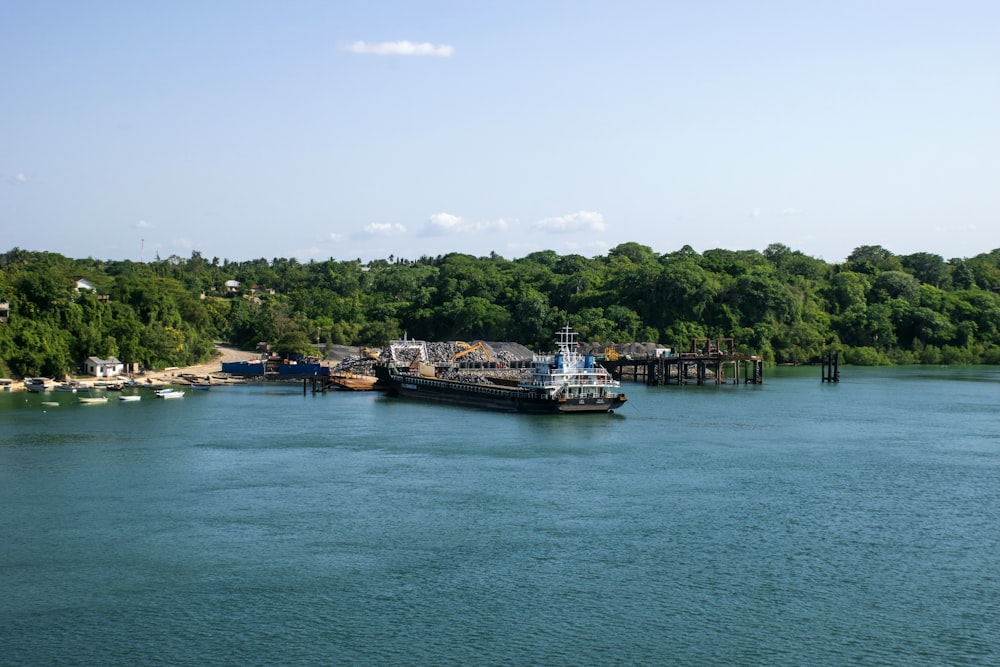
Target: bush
pixel 956 355
pixel 865 356
pixel 903 357
pixel 991 355
pixel 931 354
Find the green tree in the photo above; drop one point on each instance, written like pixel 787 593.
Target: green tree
pixel 294 343
pixel 927 268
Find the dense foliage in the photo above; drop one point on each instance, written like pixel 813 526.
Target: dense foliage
pixel 876 307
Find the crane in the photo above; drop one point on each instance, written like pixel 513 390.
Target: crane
pixel 477 346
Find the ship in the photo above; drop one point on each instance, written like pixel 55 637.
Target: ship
pixel 565 382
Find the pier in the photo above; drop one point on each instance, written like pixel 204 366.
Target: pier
pixel 708 361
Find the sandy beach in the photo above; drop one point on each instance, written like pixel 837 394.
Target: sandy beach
pixel 335 354
pixel 226 354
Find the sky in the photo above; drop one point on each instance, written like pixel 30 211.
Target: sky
pixel 326 129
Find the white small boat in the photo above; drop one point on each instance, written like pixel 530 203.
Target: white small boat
pixel 38 385
pixel 129 397
pixel 110 386
pixel 51 404
pixel 93 400
pixel 67 387
pixel 169 393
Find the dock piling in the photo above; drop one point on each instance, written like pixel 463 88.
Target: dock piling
pixel 706 362
pixel 830 363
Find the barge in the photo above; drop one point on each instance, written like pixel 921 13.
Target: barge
pixel 563 382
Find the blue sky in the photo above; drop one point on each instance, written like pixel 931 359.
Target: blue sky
pixel 322 129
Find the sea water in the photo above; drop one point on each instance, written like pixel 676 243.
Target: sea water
pixel 788 523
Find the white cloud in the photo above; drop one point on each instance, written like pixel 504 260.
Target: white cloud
pixel 581 221
pixel 185 244
pixel 384 229
pixel 791 211
pixel 446 223
pixel 755 213
pixel 956 228
pixel 334 236
pixel 18 179
pixel 142 224
pixel 403 48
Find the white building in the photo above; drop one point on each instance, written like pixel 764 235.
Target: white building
pixel 103 368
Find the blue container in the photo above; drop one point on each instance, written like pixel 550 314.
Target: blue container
pixel 243 368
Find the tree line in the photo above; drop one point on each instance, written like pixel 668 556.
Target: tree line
pixel 874 308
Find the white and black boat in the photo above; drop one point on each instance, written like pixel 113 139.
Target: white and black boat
pixel 38 385
pixel 563 382
pixel 168 393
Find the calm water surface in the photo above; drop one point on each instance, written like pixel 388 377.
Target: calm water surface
pixel 792 523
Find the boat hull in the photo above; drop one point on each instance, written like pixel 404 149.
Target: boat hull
pixel 169 393
pixel 354 383
pixel 490 396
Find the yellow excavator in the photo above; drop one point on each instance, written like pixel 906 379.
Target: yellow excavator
pixel 367 353
pixel 472 348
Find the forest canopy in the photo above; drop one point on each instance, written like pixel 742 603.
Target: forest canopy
pixel 874 308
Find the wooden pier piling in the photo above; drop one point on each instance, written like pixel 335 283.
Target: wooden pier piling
pixel 831 367
pixel 708 361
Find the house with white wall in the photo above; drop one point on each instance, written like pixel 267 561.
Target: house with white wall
pixel 103 368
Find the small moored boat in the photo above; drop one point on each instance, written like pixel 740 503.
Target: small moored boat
pixel 38 385
pixel 93 400
pixel 129 397
pixel 169 393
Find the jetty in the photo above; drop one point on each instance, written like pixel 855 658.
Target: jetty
pixel 707 361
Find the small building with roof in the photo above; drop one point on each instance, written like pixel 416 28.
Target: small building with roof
pixel 103 368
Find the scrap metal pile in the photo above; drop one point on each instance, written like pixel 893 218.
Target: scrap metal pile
pixel 355 366
pixel 401 352
pixel 462 355
pixel 455 360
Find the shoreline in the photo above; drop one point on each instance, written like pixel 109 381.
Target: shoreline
pixel 210 370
